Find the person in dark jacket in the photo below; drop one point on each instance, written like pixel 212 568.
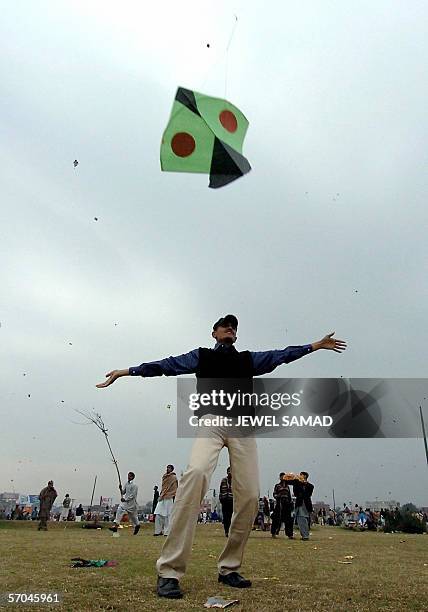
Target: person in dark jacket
pixel 210 365
pixel 79 513
pixel 303 492
pixel 226 500
pixel 47 497
pixel 155 498
pixel 283 509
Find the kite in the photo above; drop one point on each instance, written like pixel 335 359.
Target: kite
pixel 205 135
pixel 75 163
pixel 79 562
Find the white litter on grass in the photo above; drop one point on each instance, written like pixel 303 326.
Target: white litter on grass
pixel 219 602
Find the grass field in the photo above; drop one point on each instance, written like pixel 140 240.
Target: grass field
pixel 388 571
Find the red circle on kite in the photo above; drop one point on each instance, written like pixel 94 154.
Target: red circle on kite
pixel 228 121
pixel 183 144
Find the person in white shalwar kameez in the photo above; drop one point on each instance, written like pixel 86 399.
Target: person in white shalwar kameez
pixel 128 505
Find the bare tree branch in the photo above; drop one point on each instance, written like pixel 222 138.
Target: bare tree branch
pixel 97 420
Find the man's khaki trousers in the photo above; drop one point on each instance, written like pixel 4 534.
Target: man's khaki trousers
pixel 191 491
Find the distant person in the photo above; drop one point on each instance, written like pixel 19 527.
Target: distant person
pixel 266 513
pixel 303 492
pixel 65 507
pixel 128 504
pixel 283 509
pixel 397 516
pixel 371 520
pixel 47 496
pixel 165 504
pixel 79 513
pixel 155 498
pixel 226 500
pixel 34 514
pixel 260 518
pixel 362 518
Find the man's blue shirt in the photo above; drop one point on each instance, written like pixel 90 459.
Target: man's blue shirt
pixel 263 361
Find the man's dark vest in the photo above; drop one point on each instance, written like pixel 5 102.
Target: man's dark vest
pixel 229 370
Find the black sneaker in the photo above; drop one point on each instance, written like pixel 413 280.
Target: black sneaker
pixel 113 529
pixel 136 529
pixel 169 587
pixel 234 580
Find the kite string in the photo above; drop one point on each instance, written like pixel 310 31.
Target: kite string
pixel 227 55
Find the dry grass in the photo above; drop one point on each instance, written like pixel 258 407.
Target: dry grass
pixel 385 574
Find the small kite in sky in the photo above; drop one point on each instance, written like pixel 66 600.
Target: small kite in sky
pixel 206 135
pixel 75 163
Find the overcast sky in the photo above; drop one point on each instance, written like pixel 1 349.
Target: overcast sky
pixel 326 233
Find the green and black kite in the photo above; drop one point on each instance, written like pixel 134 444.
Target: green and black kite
pixel 205 134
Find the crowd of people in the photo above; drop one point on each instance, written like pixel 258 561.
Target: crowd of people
pixel 291 505
pixel 385 519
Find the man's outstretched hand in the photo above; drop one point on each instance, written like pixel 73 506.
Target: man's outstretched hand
pixel 111 377
pixel 329 343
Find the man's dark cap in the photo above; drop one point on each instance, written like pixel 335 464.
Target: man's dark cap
pixel 229 319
